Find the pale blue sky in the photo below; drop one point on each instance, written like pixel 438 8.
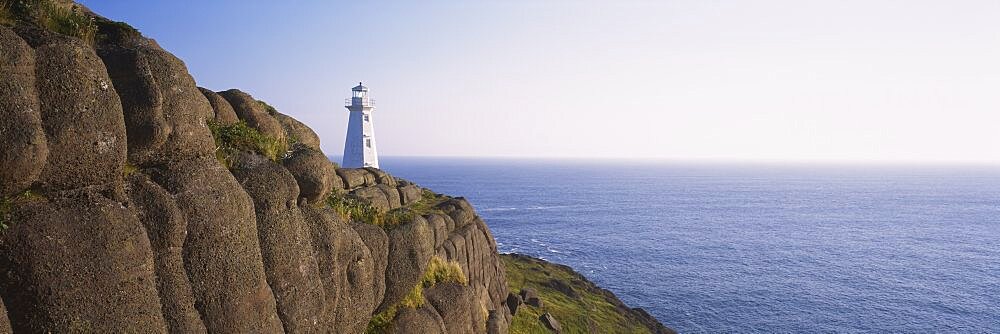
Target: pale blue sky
pixel 871 80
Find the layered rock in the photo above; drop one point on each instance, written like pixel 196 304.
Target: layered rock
pixel 452 231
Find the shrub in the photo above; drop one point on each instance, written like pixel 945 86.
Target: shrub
pixel 441 271
pixel 438 271
pixel 64 19
pixel 349 208
pixel 68 21
pixel 234 138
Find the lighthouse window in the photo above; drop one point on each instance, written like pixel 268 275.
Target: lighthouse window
pixel 366 118
pixel 368 142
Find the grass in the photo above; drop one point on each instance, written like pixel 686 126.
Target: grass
pixel 239 137
pixel 428 203
pixel 441 271
pixel 129 169
pixel 7 205
pixel 590 313
pixel 63 19
pixel 350 208
pixel 438 271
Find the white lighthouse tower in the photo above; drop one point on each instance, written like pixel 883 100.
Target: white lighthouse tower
pixel 359 148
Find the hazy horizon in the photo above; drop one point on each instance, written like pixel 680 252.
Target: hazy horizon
pixel 770 81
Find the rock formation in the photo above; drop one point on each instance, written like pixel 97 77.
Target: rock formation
pixel 132 200
pixel 122 210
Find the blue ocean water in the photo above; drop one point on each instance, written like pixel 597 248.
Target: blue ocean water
pixel 753 248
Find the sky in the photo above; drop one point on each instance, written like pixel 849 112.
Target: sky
pixel 769 80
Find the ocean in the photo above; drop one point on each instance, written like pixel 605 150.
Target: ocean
pixel 715 248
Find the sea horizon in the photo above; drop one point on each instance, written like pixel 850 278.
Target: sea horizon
pixel 706 162
pixel 734 247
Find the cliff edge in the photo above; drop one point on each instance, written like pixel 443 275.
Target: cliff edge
pixel 132 200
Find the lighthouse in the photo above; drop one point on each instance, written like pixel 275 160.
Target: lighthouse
pixel 359 147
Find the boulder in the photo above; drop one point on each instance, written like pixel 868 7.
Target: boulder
pixel 381 177
pixel 530 297
pixel 222 253
pixel 166 228
pixel 391 195
pixel 550 322
pixel 423 320
pixel 164 112
pixel 459 210
pixel 78 264
pixel 254 113
pixel 409 194
pixel 373 196
pixel 224 113
pixel 513 302
pixel 80 112
pixel 410 250
pixel 285 243
pixel 314 173
pixel 457 306
pixel 347 270
pixel 355 177
pixel 563 287
pixel 24 150
pixel 301 133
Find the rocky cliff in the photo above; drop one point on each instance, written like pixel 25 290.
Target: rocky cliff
pixel 135 201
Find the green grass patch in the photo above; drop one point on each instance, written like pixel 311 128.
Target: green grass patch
pixel 438 271
pixel 129 169
pixel 7 205
pixel 592 312
pixel 65 19
pixel 350 208
pixel 239 137
pixel 428 203
pixel 441 271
